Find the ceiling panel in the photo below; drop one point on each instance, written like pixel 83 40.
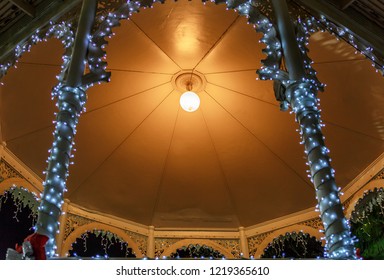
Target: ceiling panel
pixel 127 183
pixel 246 83
pixel 356 90
pixel 324 47
pixel 26 91
pixel 233 52
pixel 131 49
pixel 106 129
pixel 185 39
pixel 260 184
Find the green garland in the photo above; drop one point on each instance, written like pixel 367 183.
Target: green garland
pixel 367 224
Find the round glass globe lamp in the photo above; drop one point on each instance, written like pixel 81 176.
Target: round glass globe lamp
pixel 189 101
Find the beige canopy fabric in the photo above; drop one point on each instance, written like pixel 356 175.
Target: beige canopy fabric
pixel 234 162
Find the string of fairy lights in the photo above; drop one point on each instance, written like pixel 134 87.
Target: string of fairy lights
pixel 313 25
pixel 300 96
pixel 61 31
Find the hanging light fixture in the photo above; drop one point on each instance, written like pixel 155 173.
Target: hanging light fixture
pixel 189 100
pixel 189 83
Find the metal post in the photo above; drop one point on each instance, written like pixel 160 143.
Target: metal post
pixel 71 102
pixel 77 65
pixel 303 100
pixel 292 54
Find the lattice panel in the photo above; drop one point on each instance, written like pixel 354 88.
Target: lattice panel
pixel 232 245
pixel 7 171
pixel 314 223
pixel 162 244
pixel 140 240
pixel 73 222
pixel 255 241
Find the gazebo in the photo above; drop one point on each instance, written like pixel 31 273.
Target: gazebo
pixel 231 175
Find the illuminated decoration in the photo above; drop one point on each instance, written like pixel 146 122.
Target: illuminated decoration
pixel 71 103
pixel 367 223
pixel 21 198
pixel 298 94
pixel 61 31
pixel 196 251
pixel 18 214
pixel 294 245
pixel 71 98
pixel 100 244
pixel 312 25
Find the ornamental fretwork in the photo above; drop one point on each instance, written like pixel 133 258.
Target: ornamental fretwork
pixel 72 223
pixel 162 244
pixel 7 171
pixel 140 240
pixel 232 245
pixel 255 241
pixel 313 223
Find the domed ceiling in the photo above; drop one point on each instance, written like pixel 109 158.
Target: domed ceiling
pixel 236 161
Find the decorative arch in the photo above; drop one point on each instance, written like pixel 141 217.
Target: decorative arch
pixel 312 25
pixel 62 32
pixel 355 199
pixel 17 182
pixel 256 13
pixel 207 242
pixel 67 243
pixel 297 228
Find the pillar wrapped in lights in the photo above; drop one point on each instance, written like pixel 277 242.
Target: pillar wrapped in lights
pixel 71 98
pixel 300 93
pixel 71 103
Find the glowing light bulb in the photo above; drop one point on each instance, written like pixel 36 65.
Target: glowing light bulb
pixel 189 101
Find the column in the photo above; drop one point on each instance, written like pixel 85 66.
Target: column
pixel 302 97
pixel 71 100
pixel 243 243
pixel 151 242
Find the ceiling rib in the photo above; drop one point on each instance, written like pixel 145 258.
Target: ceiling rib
pixel 24 27
pixel 261 142
pixel 87 112
pixel 125 98
pixel 230 71
pixel 217 42
pixel 159 187
pixel 146 35
pixel 345 3
pixel 276 105
pixel 360 26
pixel 352 130
pixel 138 71
pixel 75 188
pixel 25 7
pixel 225 179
